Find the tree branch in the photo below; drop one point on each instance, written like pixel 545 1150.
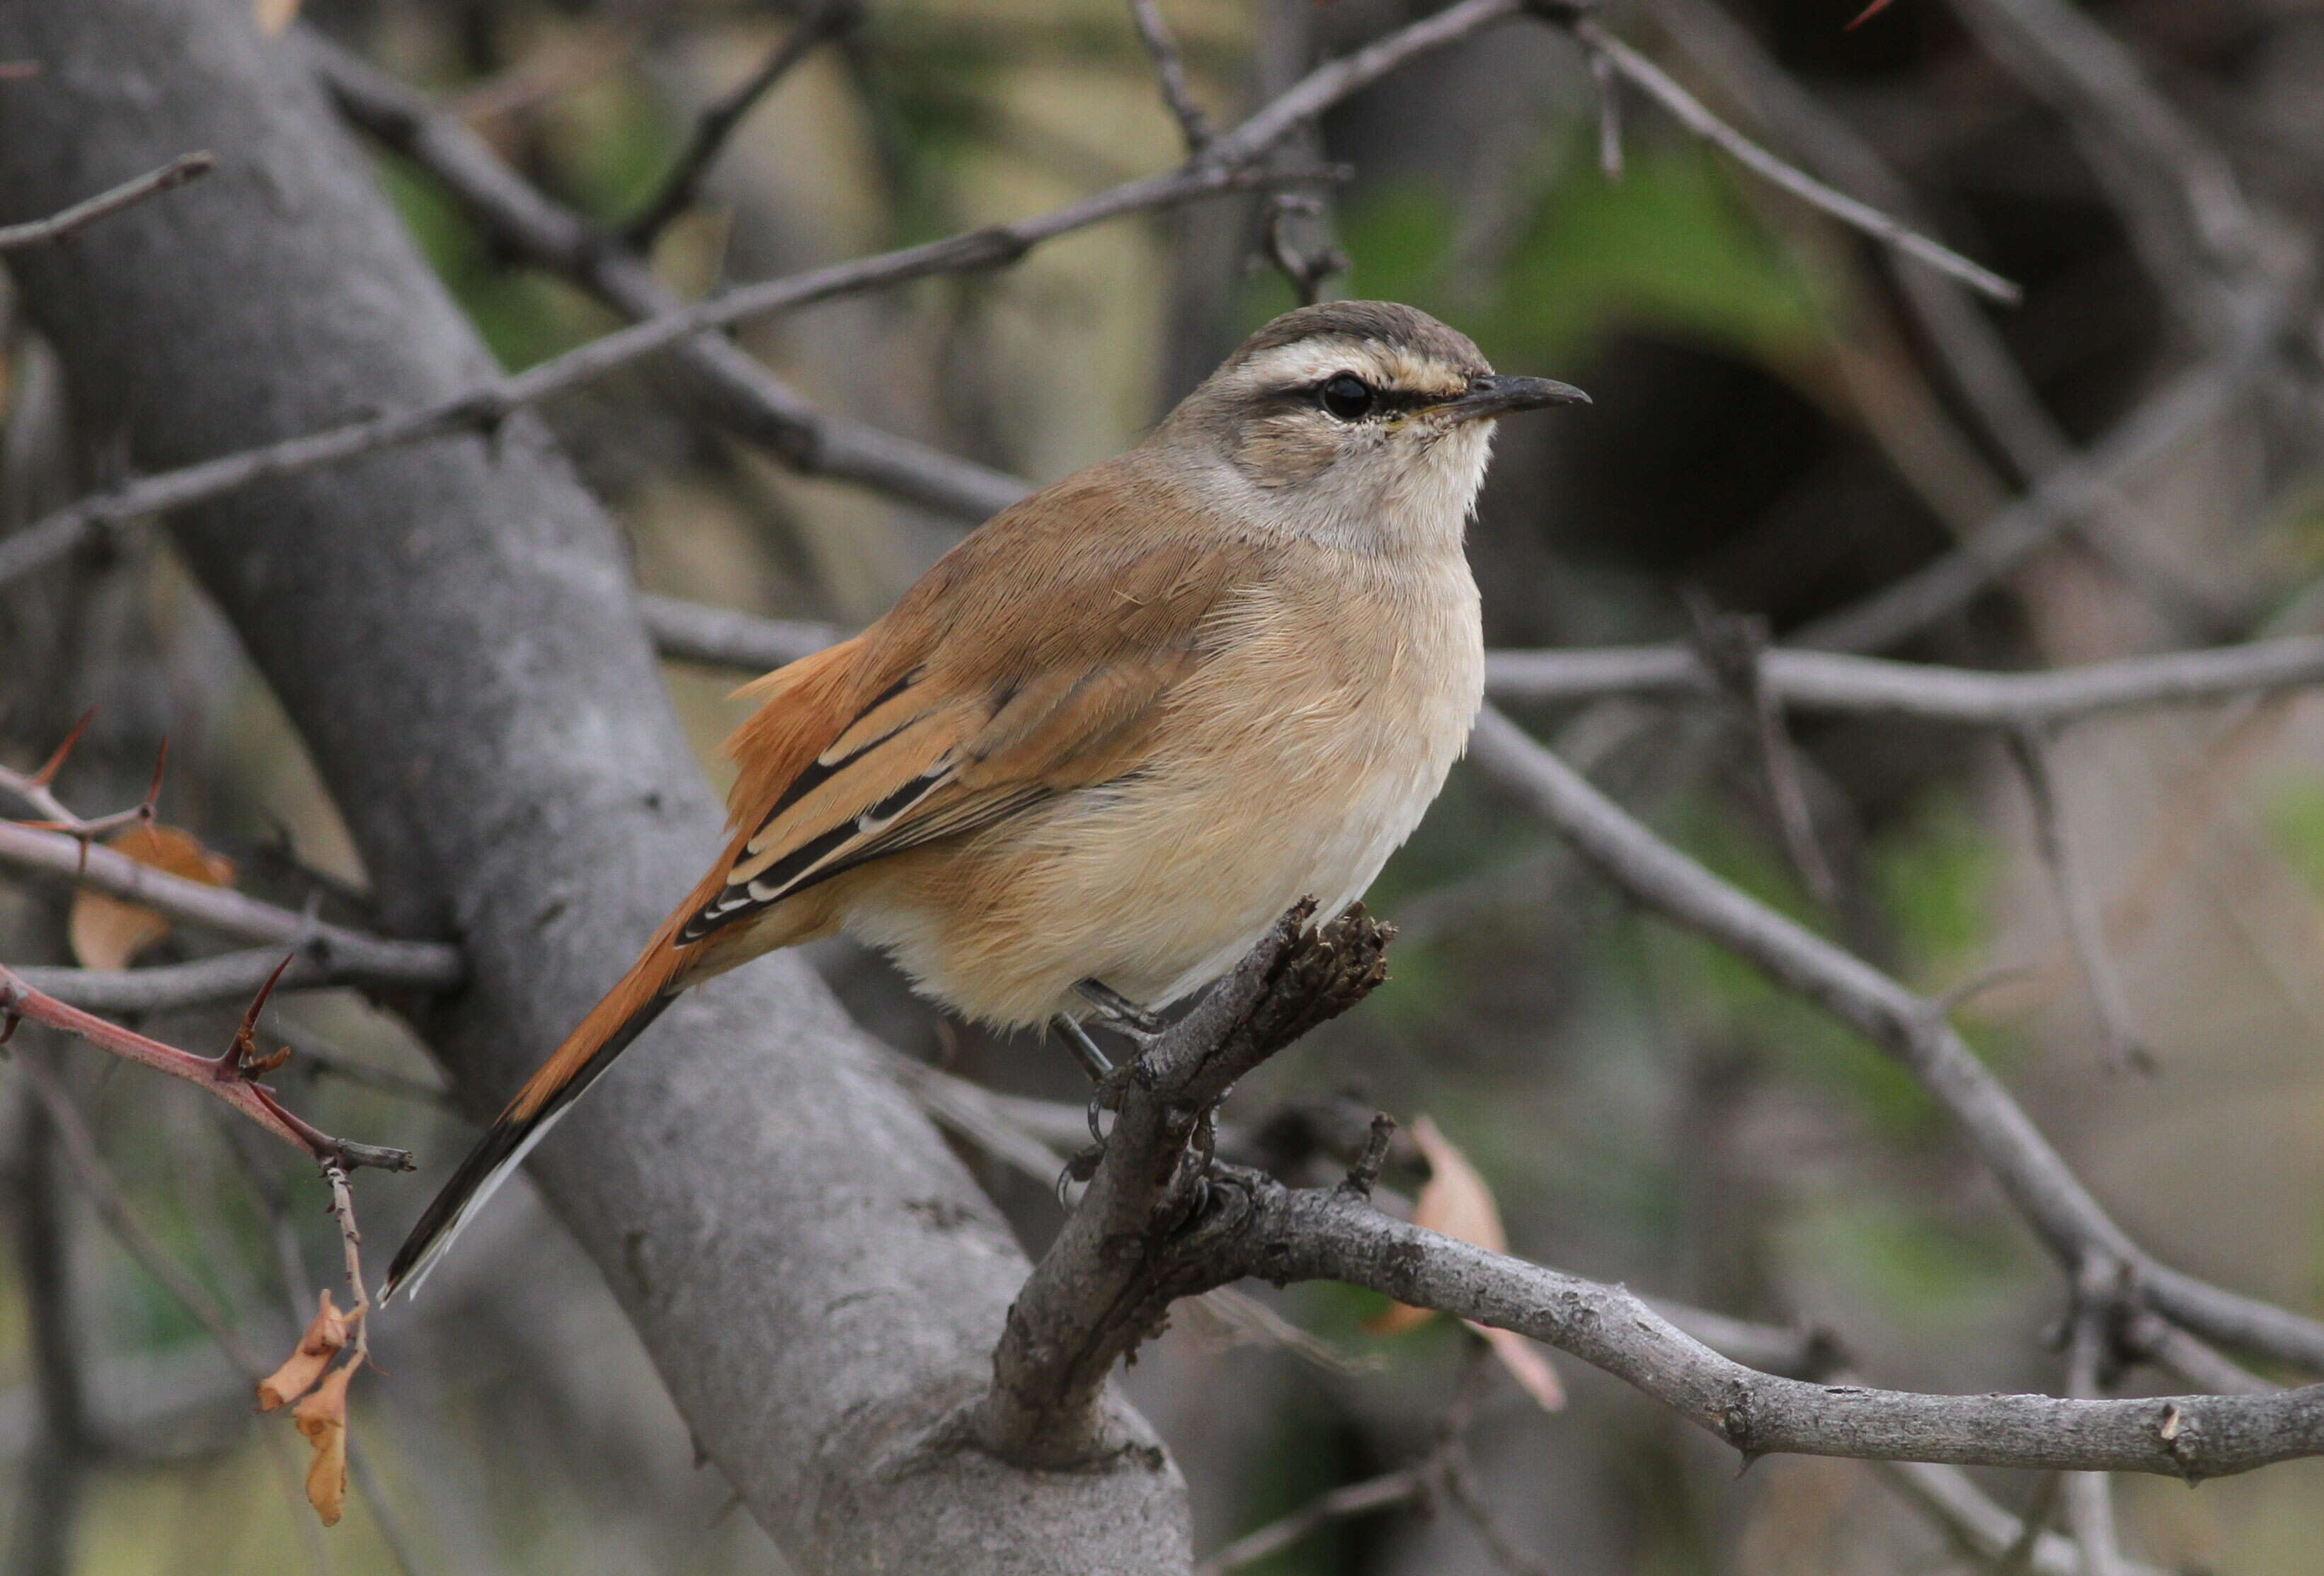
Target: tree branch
pixel 228 1077
pixel 1799 680
pixel 1227 163
pixel 736 389
pixel 455 636
pixel 1945 585
pixel 2035 1178
pixel 1170 74
pixel 333 950
pixel 1313 1233
pixel 1689 112
pixel 485 405
pixel 208 982
pixel 831 19
pixel 1133 1245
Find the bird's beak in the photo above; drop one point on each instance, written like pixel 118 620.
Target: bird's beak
pixel 1488 397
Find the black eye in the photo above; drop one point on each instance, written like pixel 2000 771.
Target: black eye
pixel 1346 396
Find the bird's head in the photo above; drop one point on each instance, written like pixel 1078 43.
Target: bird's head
pixel 1366 422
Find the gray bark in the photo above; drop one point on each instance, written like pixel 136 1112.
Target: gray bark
pixel 453 629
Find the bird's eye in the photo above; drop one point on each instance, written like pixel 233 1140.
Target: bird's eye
pixel 1346 396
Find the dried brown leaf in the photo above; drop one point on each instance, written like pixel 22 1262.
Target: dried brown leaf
pixel 322 1417
pixel 1526 1365
pixel 107 933
pixel 1456 1201
pixel 325 1338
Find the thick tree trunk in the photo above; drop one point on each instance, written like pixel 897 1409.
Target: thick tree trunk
pixel 454 631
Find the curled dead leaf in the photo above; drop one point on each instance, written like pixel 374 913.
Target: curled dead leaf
pixel 107 932
pixel 1525 1365
pixel 1458 1201
pixel 322 1417
pixel 326 1337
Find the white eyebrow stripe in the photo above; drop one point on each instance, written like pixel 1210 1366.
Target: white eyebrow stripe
pixel 1311 361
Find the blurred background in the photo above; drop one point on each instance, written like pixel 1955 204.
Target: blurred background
pixel 1783 424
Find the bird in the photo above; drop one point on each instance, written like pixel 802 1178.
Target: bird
pixel 1089 756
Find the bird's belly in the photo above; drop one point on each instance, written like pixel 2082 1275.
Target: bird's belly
pixel 1159 882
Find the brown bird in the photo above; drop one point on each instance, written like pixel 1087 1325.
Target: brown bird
pixel 1087 760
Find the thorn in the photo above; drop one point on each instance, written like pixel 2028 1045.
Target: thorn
pixel 1867 15
pixel 240 1060
pixel 1751 1458
pixel 47 773
pixel 1367 1169
pixel 147 811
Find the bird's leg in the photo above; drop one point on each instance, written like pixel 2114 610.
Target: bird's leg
pixel 1102 1075
pixel 1119 1011
pixel 1094 1062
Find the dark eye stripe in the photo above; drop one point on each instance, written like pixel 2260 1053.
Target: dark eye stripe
pixel 1385 402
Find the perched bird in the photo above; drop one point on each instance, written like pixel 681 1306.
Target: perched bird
pixel 1087 760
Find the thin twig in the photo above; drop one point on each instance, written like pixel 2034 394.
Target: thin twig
pixel 2178 195
pixel 2010 413
pixel 1170 74
pixel 1307 271
pixel 1609 113
pixel 720 638
pixel 1946 585
pixel 1385 1492
pixel 78 1145
pixel 1796 679
pixel 678 189
pixel 53 1474
pixel 208 982
pixel 484 407
pixel 2148 1336
pixel 736 389
pixel 1979 1528
pixel 37 790
pixel 1689 112
pixel 422 963
pixel 2090 1496
pixel 1734 646
pixel 1224 165
pixel 2119 1045
pixel 72 221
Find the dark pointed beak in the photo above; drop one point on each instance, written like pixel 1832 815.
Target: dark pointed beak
pixel 1488 397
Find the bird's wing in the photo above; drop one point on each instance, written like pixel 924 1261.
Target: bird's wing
pixel 982 694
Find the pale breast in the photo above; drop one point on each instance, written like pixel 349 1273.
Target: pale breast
pixel 1291 765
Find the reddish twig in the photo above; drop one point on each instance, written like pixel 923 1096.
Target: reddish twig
pixel 228 1077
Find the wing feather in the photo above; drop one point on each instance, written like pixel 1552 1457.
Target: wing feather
pixel 982 694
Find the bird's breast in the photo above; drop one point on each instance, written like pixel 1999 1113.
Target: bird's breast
pixel 1303 751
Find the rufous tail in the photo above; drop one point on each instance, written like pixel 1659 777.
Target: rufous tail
pixel 654 981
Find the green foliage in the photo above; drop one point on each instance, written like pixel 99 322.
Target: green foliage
pixel 1917 1267
pixel 2294 817
pixel 524 317
pixel 1932 875
pixel 1712 993
pixel 1668 248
